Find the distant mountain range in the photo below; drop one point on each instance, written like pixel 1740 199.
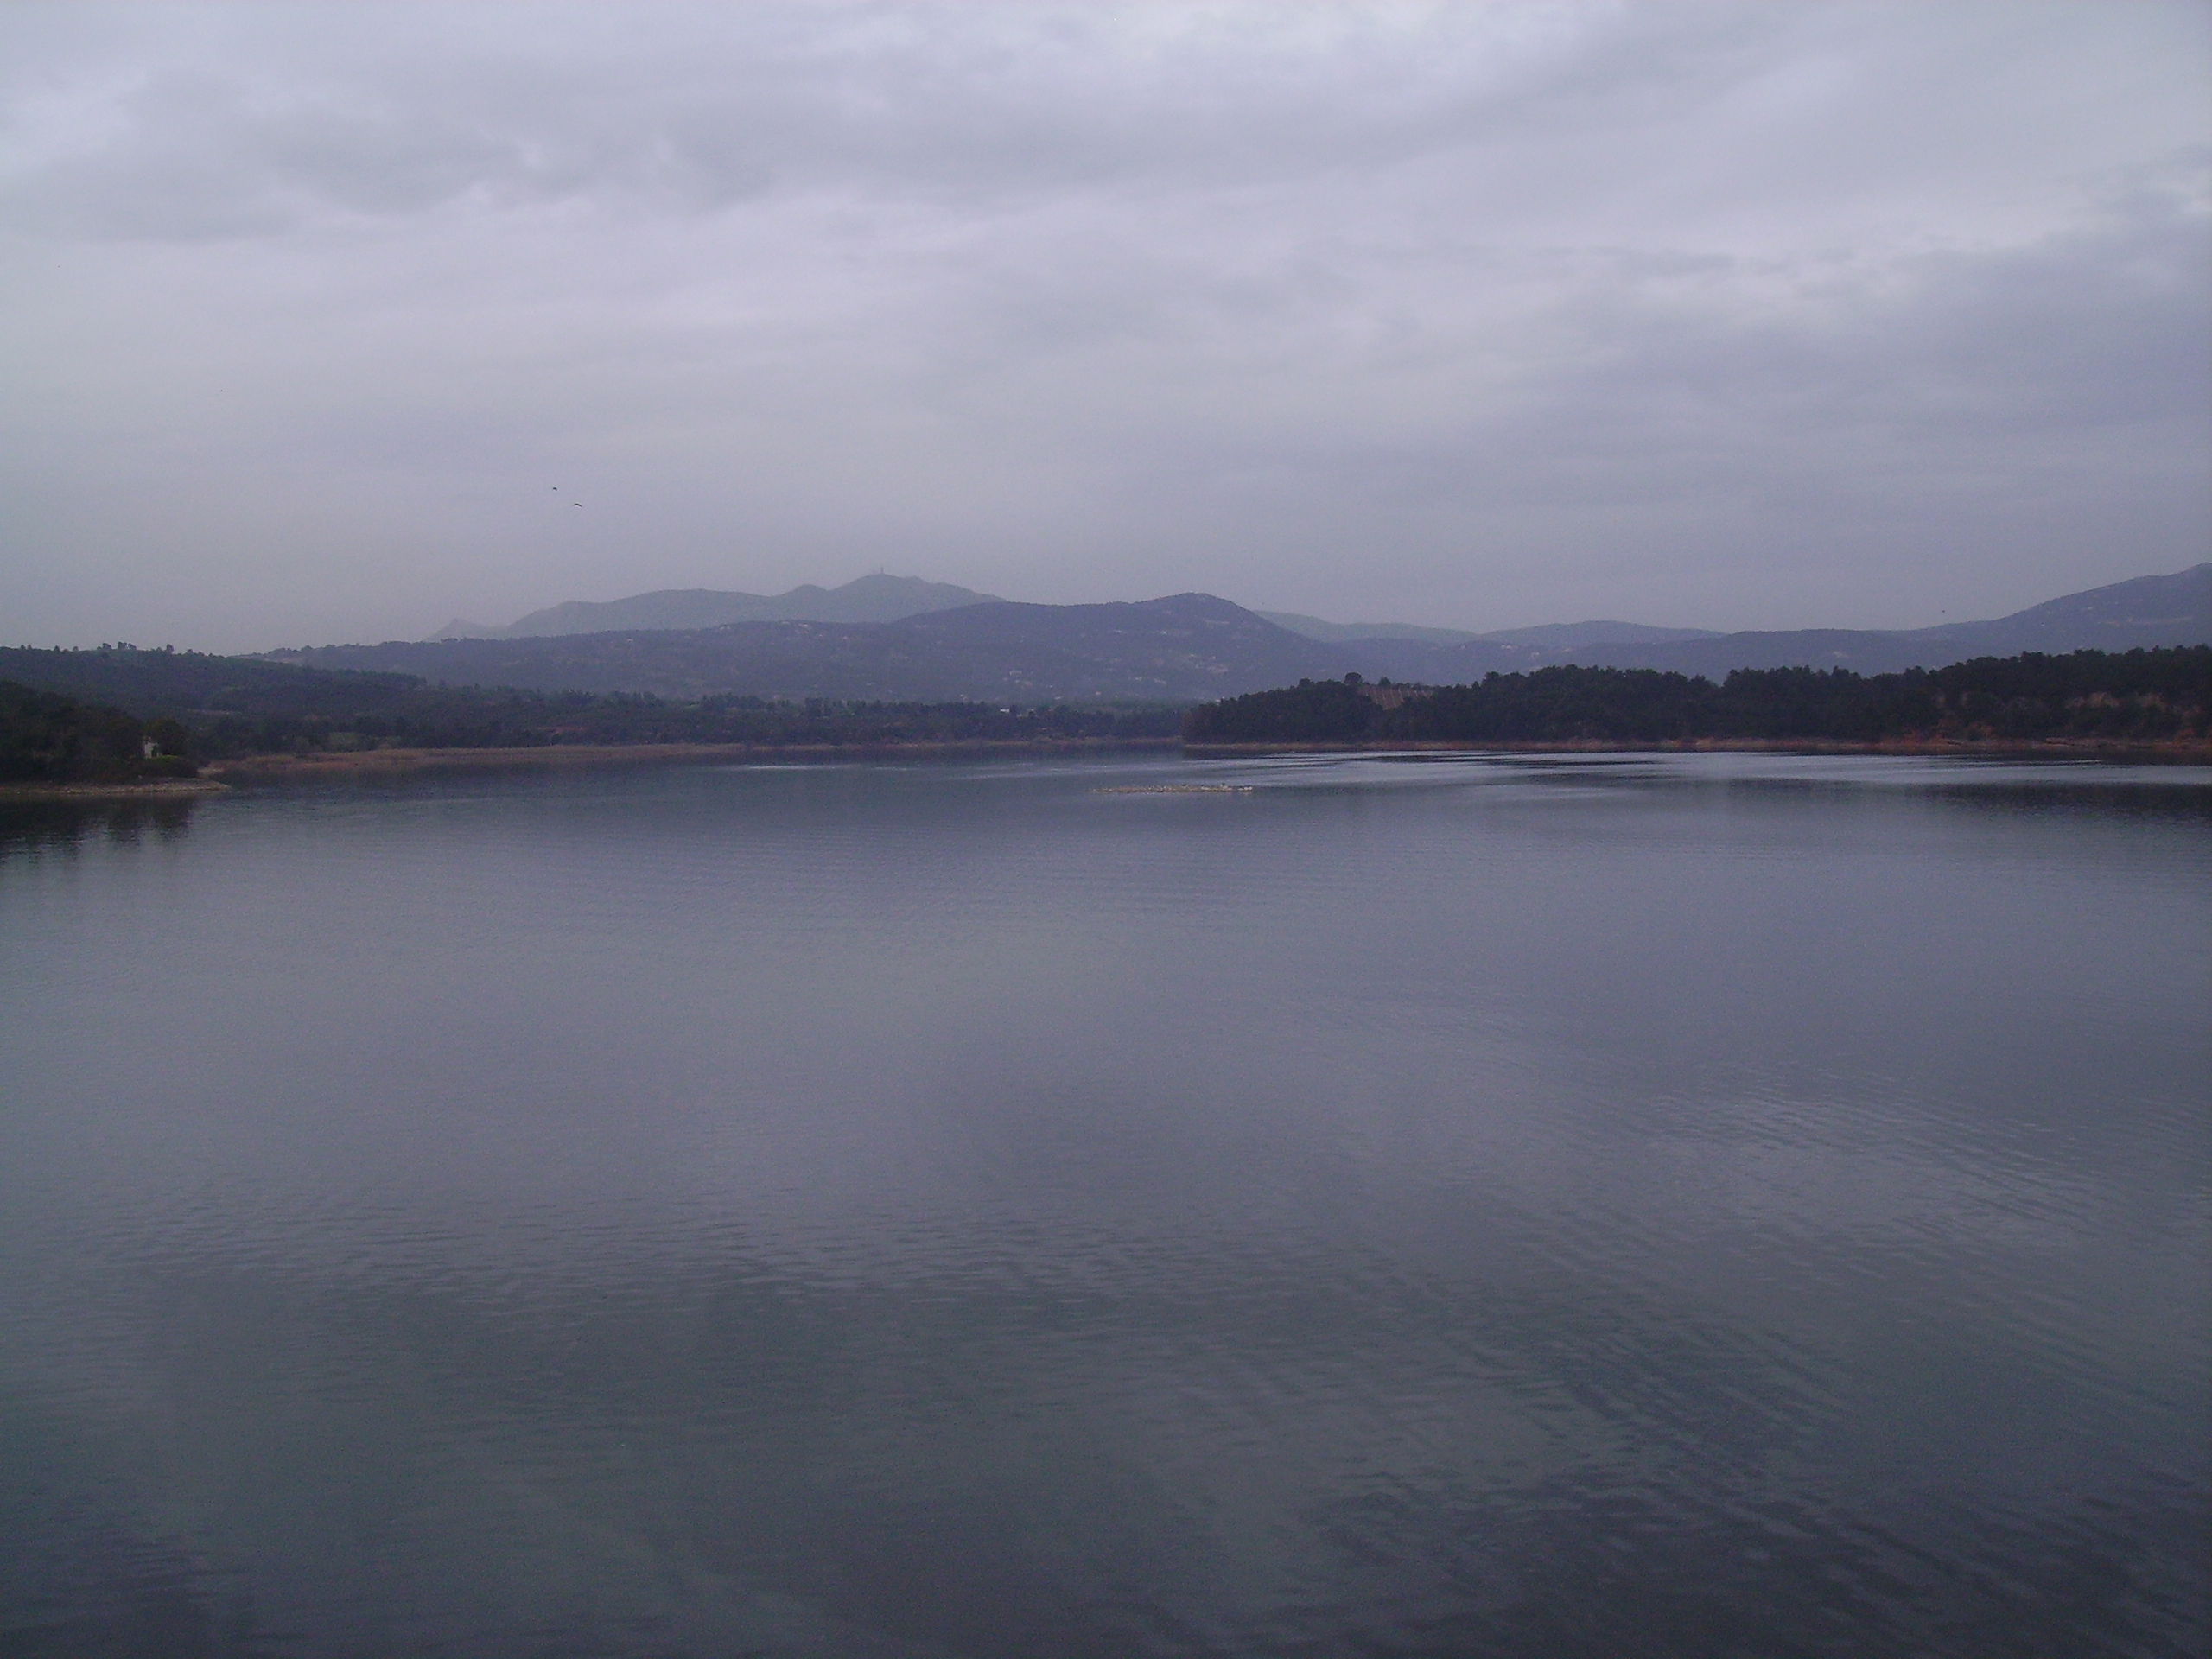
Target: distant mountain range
pixel 1190 647
pixel 1184 648
pixel 872 599
pixel 1558 635
pixel 882 598
pixel 2175 610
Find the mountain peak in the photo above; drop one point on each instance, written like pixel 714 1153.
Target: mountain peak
pixel 878 597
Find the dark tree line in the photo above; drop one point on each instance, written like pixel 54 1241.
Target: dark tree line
pixel 87 714
pixel 49 739
pixel 223 707
pixel 2132 696
pixel 452 717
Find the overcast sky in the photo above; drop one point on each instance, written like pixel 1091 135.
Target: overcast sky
pixel 314 320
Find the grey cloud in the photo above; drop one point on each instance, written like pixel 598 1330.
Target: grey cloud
pixel 2021 402
pixel 384 109
pixel 1745 314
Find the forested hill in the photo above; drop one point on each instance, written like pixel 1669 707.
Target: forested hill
pixel 1182 649
pixel 229 706
pixel 2136 695
pixel 226 706
pixel 49 739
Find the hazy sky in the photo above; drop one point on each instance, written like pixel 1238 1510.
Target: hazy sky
pixel 315 319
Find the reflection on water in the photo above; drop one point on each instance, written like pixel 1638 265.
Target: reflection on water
pixel 63 825
pixel 1599 1205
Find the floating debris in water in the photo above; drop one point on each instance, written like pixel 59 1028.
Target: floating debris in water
pixel 1176 789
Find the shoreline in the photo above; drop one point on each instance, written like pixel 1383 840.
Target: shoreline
pixel 382 763
pixel 221 777
pixel 152 790
pixel 2157 752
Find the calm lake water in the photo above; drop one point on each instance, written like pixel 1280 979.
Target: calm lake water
pixel 1702 1206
